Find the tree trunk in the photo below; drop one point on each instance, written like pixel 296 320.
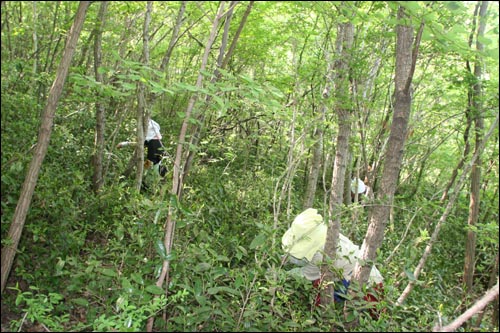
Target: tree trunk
pixel 405 66
pixel 177 179
pixel 16 228
pixel 447 211
pixel 470 247
pixel 345 38
pixel 98 179
pixel 141 102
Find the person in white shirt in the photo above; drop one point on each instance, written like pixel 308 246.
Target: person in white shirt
pixel 153 143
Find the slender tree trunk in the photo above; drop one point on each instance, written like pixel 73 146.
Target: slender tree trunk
pixel 405 67
pixel 313 174
pixel 445 214
pixel 343 46
pixel 474 201
pixel 177 180
pixel 16 228
pixel 175 36
pixel 141 102
pixel 222 61
pixel 98 179
pixel 35 45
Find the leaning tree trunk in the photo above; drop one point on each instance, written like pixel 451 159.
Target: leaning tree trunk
pixel 222 61
pixel 345 37
pixel 405 67
pixel 98 179
pixel 490 295
pixel 16 228
pixel 444 216
pixel 177 178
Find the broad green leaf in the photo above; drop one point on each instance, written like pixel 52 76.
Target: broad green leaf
pixel 410 275
pixel 215 290
pixel 202 266
pixel 108 272
pixel 127 286
pixel 154 289
pixel 258 241
pixel 137 278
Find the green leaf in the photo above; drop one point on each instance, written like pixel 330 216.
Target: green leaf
pixel 222 258
pixel 154 289
pixel 127 286
pixel 410 275
pixel 215 290
pixel 109 272
pixel 202 266
pixel 258 241
pixel 137 278
pixel 80 301
pixel 201 299
pixel 160 248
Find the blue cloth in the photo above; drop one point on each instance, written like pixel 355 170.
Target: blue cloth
pixel 341 290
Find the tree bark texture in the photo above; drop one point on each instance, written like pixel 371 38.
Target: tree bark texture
pixel 16 228
pixel 395 146
pixel 177 180
pixel 345 38
pixel 141 102
pixel 474 197
pixel 98 179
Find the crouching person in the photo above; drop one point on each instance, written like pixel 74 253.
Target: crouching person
pixel 304 244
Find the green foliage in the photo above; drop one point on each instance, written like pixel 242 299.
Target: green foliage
pixel 40 309
pixel 90 261
pixel 129 317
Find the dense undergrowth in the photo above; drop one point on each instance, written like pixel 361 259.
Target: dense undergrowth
pixel 89 263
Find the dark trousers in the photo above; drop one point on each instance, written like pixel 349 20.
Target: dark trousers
pixel 154 150
pixel 155 153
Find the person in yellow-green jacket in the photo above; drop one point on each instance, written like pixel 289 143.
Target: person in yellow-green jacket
pixel 304 244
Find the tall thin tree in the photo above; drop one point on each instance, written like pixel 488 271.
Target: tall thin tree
pixel 405 67
pixel 340 79
pixel 98 179
pixel 16 228
pixel 177 177
pixel 474 198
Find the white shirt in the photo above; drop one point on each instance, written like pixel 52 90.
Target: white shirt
pixel 153 131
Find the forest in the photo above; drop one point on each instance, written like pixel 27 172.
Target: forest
pixel 264 110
